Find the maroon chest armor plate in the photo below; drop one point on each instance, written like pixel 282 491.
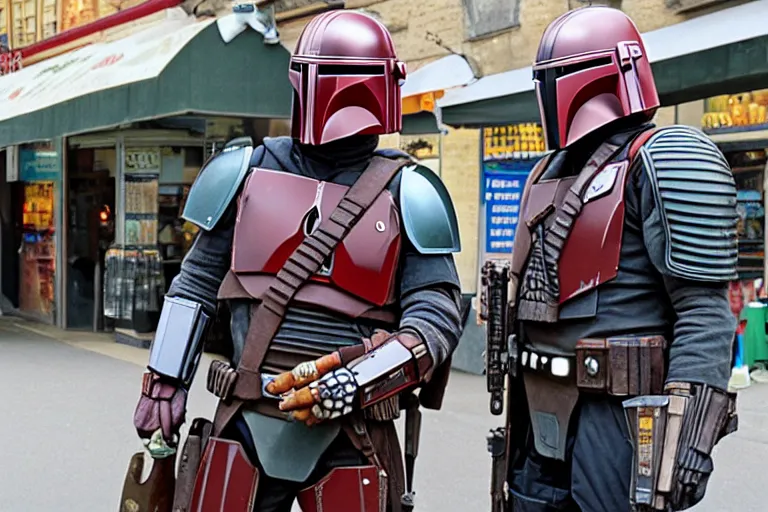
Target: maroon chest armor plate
pixel 576 227
pixel 590 256
pixel 277 210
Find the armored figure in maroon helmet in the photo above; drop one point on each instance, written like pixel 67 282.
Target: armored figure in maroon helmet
pixel 611 323
pixel 335 260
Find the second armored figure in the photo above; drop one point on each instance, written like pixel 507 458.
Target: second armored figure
pixel 620 328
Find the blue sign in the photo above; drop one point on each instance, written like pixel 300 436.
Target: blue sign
pixel 39 165
pixel 503 184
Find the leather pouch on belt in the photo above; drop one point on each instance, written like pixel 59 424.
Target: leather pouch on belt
pixel 621 366
pixel 199 432
pixel 352 489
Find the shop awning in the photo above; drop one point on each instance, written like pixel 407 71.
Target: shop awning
pixel 425 86
pixel 178 66
pixel 719 53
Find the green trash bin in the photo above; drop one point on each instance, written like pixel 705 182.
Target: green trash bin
pixel 755 346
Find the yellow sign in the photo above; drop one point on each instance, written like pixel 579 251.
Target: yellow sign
pixel 525 140
pixel 421 102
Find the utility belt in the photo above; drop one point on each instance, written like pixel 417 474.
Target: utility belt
pixel 617 366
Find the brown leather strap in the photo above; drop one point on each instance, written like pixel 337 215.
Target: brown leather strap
pixel 305 261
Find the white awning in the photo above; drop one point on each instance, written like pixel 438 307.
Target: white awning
pixel 97 67
pixel 720 28
pixel 445 73
pixel 179 66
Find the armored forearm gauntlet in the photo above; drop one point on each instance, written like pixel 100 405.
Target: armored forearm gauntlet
pixel 400 362
pixel 363 376
pixel 178 344
pixel 673 437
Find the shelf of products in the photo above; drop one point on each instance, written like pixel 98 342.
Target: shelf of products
pixel 141 210
pixel 748 172
pixel 133 285
pixel 38 251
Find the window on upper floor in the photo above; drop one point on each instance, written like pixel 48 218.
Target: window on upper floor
pixel 684 6
pixel 486 17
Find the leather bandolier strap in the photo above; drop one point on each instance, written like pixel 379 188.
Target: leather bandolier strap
pixel 305 261
pixel 523 235
pixel 552 246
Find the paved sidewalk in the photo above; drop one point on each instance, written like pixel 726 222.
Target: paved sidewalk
pixel 68 406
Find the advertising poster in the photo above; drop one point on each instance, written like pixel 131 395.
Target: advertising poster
pixel 39 162
pixel 508 153
pixel 503 184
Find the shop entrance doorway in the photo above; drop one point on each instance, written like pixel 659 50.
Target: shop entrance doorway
pixel 10 240
pixel 91 206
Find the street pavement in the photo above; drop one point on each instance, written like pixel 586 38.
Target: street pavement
pixel 68 436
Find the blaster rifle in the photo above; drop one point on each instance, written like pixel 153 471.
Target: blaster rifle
pixel 493 311
pixel 493 299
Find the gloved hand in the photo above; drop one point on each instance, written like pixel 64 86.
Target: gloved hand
pixel 709 415
pixel 327 388
pixel 328 398
pixel 161 411
pixel 323 389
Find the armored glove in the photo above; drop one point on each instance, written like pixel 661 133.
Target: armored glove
pixel 329 387
pixel 710 414
pixel 673 437
pixel 160 412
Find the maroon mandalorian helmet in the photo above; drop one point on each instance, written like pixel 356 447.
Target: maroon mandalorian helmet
pixel 346 78
pixel 591 69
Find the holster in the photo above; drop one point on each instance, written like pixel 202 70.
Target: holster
pixel 550 403
pixel 226 479
pixel 189 463
pixel 351 489
pixel 673 436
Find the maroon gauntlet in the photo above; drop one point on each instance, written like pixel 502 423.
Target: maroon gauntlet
pixel 380 368
pixel 162 405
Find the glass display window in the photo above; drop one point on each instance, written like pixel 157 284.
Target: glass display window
pixel 38 250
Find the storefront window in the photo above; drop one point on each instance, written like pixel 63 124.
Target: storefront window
pixel 39 171
pixel 734 121
pixel 736 112
pixel 155 239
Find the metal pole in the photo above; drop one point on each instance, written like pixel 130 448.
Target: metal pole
pixel 97 294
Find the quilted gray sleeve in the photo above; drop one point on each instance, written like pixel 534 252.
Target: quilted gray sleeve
pixel 695 195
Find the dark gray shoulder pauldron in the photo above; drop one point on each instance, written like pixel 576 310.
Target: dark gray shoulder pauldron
pixel 216 186
pixel 695 194
pixel 429 217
